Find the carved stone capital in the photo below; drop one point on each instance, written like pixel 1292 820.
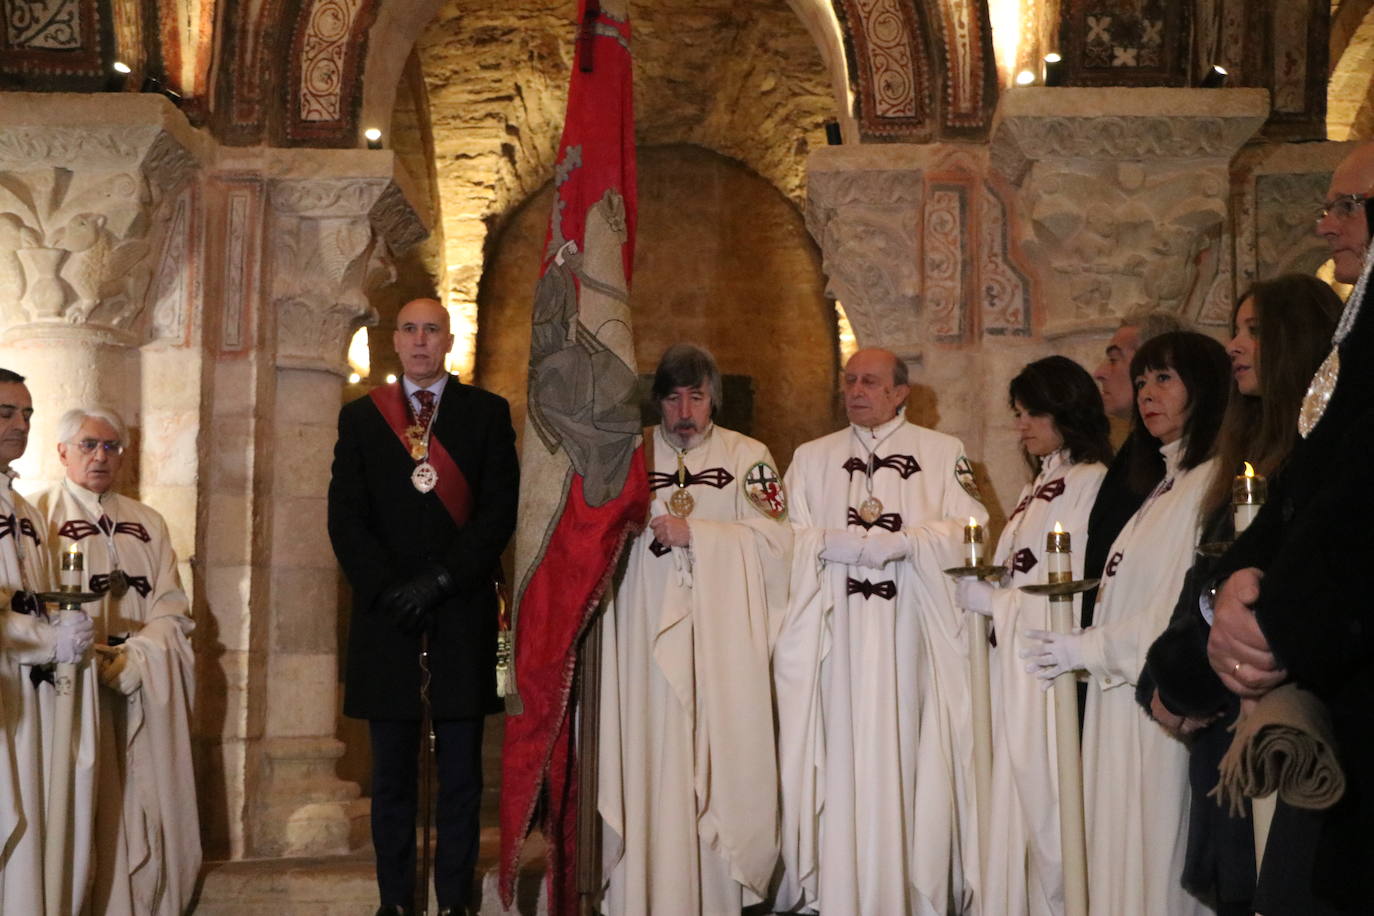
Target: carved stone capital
pixel 327 251
pixel 1125 198
pixel 1035 124
pixel 866 223
pixel 82 205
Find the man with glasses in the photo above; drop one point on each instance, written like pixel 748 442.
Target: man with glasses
pixel 1293 603
pixel 147 833
pixel 29 644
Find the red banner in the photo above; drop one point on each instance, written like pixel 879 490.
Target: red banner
pixel 584 491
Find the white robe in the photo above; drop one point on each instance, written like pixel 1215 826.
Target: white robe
pixel 1025 869
pixel 687 783
pixel 1135 775
pixel 28 712
pixel 875 729
pixel 147 843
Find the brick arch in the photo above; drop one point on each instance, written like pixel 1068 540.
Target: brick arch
pixel 1350 90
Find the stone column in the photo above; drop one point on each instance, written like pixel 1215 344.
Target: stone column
pixel 1125 198
pixel 89 191
pixel 328 241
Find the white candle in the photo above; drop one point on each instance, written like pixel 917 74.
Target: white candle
pixel 1058 555
pixel 1248 493
pixel 973 542
pixel 73 565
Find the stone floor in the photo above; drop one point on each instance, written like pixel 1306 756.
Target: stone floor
pixel 346 885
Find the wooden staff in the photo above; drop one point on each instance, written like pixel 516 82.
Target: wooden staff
pixel 588 770
pixel 426 776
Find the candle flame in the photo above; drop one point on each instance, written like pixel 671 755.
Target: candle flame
pixel 1058 528
pixel 972 522
pixel 75 549
pixel 1249 471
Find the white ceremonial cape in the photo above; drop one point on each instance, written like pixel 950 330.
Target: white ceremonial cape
pixel 28 712
pixel 1135 775
pixel 875 737
pixel 1025 873
pixel 688 785
pixel 147 844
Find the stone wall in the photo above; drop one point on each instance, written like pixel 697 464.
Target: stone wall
pixel 722 259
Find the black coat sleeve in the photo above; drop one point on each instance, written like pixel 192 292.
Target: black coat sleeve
pixel 353 525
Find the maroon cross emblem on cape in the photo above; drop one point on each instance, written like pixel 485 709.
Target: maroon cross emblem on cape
pixel 1113 563
pixel 1023 560
pixel 905 465
pixel 711 477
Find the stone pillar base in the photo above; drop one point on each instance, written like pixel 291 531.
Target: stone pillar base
pixel 307 810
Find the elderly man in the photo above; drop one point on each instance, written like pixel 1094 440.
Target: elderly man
pixel 1117 500
pixel 688 787
pixel 421 505
pixel 873 655
pixel 29 643
pixel 1294 603
pixel 147 842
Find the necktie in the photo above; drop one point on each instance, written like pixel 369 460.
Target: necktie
pixel 426 399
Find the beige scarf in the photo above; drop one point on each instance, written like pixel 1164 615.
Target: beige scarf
pixel 1285 745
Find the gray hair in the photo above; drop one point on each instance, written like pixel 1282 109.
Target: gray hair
pixel 684 366
pixel 900 374
pixel 72 420
pixel 1150 323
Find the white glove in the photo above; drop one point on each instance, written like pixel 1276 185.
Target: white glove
pixel 119 670
pixel 843 547
pixel 973 594
pixel 882 547
pixel 1058 654
pixel 74 633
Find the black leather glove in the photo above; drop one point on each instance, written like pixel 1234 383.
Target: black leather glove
pixel 410 604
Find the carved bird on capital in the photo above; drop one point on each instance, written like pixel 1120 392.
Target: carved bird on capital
pixel 101 263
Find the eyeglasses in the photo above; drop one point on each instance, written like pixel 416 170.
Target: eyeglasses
pixel 108 446
pixel 1344 206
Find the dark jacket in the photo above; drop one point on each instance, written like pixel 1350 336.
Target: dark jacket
pixel 1117 499
pixel 384 532
pixel 1313 541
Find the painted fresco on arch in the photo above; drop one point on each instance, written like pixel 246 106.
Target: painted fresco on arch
pixel 1126 42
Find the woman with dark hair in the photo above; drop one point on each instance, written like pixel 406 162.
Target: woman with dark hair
pixel 1135 774
pixel 1062 427
pixel 1281 331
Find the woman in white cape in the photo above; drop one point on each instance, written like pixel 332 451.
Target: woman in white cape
pixel 1135 774
pixel 1063 433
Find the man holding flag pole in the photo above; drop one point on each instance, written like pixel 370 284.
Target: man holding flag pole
pixel 585 491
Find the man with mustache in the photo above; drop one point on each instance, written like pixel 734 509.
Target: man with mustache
pixel 688 787
pixel 147 832
pixel 875 727
pixel 29 643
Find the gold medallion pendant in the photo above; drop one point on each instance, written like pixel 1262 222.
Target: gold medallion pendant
pixel 681 503
pixel 871 509
pixel 119 583
pixel 416 439
pixel 424 478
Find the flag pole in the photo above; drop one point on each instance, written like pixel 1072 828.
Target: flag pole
pixel 588 771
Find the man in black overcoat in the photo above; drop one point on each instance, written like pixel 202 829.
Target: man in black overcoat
pixel 1294 600
pixel 421 504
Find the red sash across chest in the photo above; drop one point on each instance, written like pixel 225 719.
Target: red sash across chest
pixel 452 488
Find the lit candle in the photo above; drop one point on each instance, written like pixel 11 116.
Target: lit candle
pixel 973 542
pixel 73 565
pixel 1248 492
pixel 1058 555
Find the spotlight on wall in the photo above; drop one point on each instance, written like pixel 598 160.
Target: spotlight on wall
pixel 374 138
pixel 391 378
pixel 354 378
pixel 119 76
pixel 833 136
pixel 1025 78
pixel 153 84
pixel 1215 78
pixel 1054 69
